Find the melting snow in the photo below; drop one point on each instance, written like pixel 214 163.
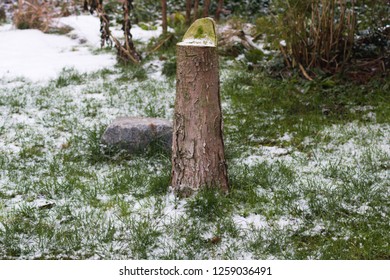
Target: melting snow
pixel 40 57
pixel 252 220
pixel 85 27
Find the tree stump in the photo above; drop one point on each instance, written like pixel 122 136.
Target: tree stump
pixel 198 158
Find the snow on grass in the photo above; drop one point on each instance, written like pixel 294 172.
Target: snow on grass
pixel 154 67
pixel 85 28
pixel 145 36
pixel 38 56
pixel 108 208
pixel 61 197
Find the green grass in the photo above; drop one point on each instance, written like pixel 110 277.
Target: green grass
pixel 324 196
pixel 263 109
pixel 68 77
pixel 132 72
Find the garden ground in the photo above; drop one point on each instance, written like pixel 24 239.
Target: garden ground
pixel 308 163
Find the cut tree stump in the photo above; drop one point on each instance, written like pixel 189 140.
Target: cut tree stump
pixel 198 158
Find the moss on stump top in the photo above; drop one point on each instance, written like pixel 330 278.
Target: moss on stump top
pixel 201 33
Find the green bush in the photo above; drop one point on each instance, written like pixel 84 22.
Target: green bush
pixel 373 14
pixel 254 56
pixel 312 33
pixel 3 16
pixel 169 68
pixel 249 8
pixel 320 34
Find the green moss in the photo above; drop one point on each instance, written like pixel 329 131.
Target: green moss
pixel 199 32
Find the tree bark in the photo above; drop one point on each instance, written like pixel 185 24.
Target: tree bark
pixel 188 12
pixel 219 10
pixel 206 8
pixel 164 16
pixel 130 54
pixel 198 149
pixel 196 9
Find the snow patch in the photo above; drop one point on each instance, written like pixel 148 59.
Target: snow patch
pixel 145 36
pixel 266 154
pixel 40 57
pixel 252 220
pixel 85 27
pixel 155 68
pixel 204 42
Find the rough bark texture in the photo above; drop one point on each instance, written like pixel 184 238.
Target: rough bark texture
pixel 196 9
pixel 198 150
pixel 164 16
pixel 206 8
pixel 188 12
pixel 219 10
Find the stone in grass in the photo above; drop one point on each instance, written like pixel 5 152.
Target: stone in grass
pixel 138 135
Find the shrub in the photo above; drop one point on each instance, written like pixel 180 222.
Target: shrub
pixel 249 8
pixel 254 56
pixel 373 14
pixel 312 33
pixel 3 16
pixel 33 14
pixel 169 68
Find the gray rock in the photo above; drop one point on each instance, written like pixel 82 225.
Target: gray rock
pixel 138 134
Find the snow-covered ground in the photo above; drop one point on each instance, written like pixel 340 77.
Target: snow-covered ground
pixel 39 57
pixel 45 131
